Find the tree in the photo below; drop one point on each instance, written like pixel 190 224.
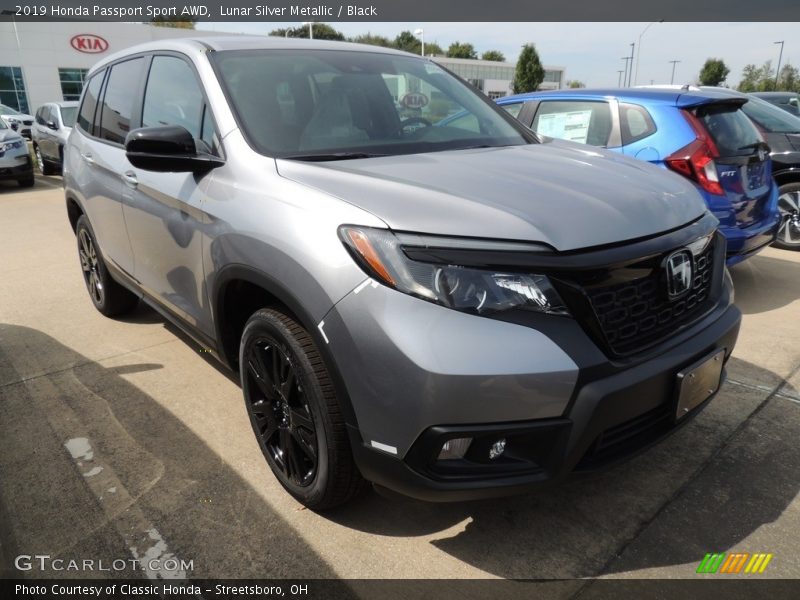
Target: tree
pixel 789 80
pixel 372 40
pixel 714 72
pixel 179 24
pixel 432 48
pixel 529 73
pixel 408 42
pixel 461 50
pixel 322 31
pixel 574 83
pixel 493 55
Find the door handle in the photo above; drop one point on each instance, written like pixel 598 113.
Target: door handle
pixel 130 178
pixel 87 157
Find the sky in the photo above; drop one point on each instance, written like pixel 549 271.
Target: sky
pixel 592 52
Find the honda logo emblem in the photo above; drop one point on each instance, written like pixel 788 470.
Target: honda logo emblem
pixel 679 273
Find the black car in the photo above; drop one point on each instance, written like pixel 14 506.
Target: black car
pixel 781 131
pixel 788 101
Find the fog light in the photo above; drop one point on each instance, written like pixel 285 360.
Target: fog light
pixel 497 448
pixel 455 448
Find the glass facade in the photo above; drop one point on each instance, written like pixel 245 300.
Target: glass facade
pixel 72 82
pixel 12 89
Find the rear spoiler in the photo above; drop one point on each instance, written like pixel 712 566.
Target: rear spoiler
pixel 690 100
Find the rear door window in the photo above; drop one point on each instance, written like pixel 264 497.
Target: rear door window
pixel 585 122
pixel 119 99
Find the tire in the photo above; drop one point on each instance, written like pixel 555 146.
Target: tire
pixel 45 168
pixel 788 236
pixel 26 182
pixel 108 296
pixel 316 467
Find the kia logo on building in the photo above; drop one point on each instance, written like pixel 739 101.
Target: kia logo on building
pixel 89 43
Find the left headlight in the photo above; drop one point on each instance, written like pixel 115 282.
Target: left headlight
pixel 4 146
pixel 482 291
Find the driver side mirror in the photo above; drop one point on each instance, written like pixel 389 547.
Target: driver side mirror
pixel 52 125
pixel 167 149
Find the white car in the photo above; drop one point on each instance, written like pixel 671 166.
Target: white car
pixel 19 122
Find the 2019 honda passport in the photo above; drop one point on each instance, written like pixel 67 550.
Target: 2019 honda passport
pixel 451 312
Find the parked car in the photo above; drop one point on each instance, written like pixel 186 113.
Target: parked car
pixel 15 162
pixel 52 126
pixel 781 131
pixel 788 101
pixel 19 122
pixel 701 135
pixel 449 312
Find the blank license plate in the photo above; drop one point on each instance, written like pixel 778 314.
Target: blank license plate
pixel 697 382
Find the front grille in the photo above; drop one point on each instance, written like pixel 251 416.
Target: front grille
pixel 626 308
pixel 638 311
pixel 27 123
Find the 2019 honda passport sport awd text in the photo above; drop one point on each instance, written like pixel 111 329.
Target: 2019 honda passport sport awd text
pixel 450 312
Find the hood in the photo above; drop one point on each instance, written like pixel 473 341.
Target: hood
pixel 566 195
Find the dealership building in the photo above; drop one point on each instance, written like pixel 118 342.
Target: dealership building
pixel 47 62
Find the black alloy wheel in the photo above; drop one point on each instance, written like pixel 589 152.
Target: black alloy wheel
pixel 788 236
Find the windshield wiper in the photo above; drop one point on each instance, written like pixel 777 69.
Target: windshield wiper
pixel 332 156
pixel 756 146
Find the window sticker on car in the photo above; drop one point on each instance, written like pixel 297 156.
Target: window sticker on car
pixel 572 126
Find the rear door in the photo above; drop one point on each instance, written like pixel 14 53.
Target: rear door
pixel 743 164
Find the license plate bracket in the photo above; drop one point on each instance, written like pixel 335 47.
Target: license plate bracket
pixel 697 382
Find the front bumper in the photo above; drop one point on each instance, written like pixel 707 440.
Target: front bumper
pixel 16 167
pixel 418 374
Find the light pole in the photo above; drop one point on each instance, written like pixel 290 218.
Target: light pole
pixel 630 72
pixel 672 79
pixel 421 34
pixel 625 76
pixel 639 54
pixel 619 79
pixel 778 72
pixel 310 29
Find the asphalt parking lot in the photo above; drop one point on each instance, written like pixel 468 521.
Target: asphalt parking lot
pixel 120 439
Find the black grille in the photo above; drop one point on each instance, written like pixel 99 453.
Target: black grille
pixel 629 307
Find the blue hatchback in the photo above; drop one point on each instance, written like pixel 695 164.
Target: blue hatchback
pixel 702 135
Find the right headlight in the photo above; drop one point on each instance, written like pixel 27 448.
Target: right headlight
pixel 482 291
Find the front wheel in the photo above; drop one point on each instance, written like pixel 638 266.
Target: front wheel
pixel 788 236
pixel 45 168
pixel 295 413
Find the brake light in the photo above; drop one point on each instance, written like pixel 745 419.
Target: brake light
pixel 696 160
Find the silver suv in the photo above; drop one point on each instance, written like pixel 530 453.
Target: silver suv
pixel 51 128
pixel 451 311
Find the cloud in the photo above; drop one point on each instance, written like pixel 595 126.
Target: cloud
pixel 591 52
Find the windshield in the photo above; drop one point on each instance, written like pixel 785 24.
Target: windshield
pixel 770 117
pixel 7 110
pixel 344 104
pixel 68 114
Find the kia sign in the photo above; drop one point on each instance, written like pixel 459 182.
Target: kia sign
pixel 414 100
pixel 89 43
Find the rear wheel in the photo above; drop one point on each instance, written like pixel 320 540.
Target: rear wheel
pixel 295 412
pixel 788 236
pixel 108 296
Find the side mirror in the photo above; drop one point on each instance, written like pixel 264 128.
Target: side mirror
pixel 52 125
pixel 168 149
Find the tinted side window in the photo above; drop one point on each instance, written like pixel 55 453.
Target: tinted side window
pixel 39 118
pixel 635 123
pixel 585 122
pixel 89 104
pixel 118 101
pixel 173 96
